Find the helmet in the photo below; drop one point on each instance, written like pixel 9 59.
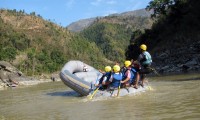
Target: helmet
pixel 143 47
pixel 116 68
pixel 107 68
pixel 127 63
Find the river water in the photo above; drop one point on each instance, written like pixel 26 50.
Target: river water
pixel 174 97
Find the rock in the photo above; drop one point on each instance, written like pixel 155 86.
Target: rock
pixel 9 74
pixel 165 67
pixel 55 77
pixel 163 55
pixel 12 77
pixel 181 59
pixel 192 62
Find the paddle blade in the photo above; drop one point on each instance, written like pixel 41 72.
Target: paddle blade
pixel 150 88
pixel 91 96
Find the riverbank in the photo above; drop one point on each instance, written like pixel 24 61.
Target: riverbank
pixel 10 76
pixel 28 81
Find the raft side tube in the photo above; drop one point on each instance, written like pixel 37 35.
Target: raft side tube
pixel 77 66
pixel 75 83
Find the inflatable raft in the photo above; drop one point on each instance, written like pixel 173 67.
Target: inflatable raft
pixel 81 78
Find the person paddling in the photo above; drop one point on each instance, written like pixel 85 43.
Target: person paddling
pixel 116 77
pixel 129 75
pixel 104 80
pixel 145 61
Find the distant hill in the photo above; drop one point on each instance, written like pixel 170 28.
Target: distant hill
pixel 136 13
pixel 82 24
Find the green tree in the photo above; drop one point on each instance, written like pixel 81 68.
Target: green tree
pixel 32 13
pixel 160 7
pixel 57 57
pixel 9 53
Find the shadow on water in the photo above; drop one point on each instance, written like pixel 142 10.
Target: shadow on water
pixel 187 79
pixel 65 94
pixel 178 77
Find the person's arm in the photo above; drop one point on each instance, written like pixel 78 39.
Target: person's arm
pixel 128 74
pixel 104 80
pixel 96 84
pixel 101 71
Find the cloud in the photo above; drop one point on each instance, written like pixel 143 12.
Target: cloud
pixel 69 3
pixel 100 2
pixel 111 2
pixel 96 2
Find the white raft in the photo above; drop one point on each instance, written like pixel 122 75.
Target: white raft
pixel 74 75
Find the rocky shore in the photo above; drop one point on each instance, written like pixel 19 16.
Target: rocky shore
pixel 12 77
pixel 180 60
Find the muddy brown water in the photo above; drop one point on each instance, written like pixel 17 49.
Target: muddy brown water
pixel 174 97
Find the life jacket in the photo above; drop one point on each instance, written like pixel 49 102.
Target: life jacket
pixel 116 79
pixel 123 69
pixel 147 58
pixel 133 75
pixel 107 74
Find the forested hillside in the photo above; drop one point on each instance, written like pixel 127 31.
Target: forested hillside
pixel 112 39
pixel 37 46
pixel 174 39
pixel 112 34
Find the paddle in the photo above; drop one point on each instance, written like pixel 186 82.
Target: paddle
pixel 118 89
pixel 91 96
pixel 154 70
pixel 148 86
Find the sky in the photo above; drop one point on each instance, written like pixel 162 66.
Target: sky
pixel 64 12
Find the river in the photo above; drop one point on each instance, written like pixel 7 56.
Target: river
pixel 175 97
